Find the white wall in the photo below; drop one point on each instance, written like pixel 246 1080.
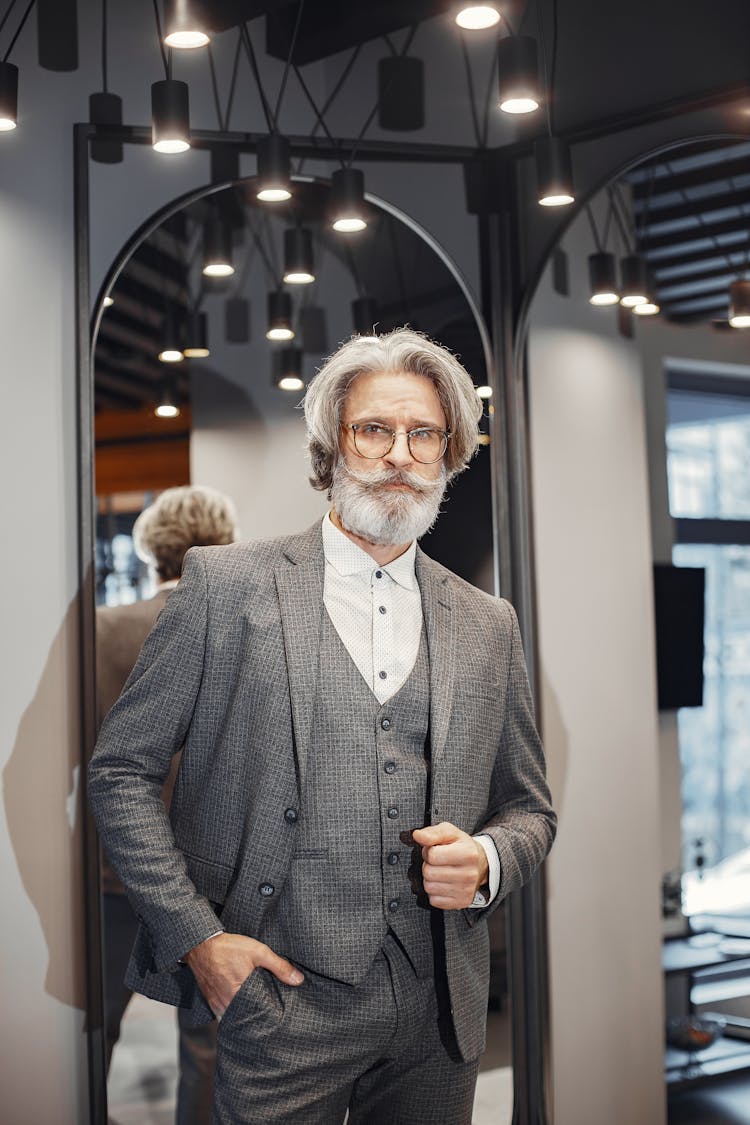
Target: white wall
pixel 599 718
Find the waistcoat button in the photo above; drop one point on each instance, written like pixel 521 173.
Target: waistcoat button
pixel 393 858
pixel 393 905
pixel 266 889
pixel 393 813
pixel 385 724
pixel 291 816
pixel 390 767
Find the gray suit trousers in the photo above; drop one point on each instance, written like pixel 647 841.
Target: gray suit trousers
pixel 304 1055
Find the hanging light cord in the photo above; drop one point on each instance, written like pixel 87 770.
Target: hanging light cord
pixel 370 117
pixel 104 46
pixel 165 58
pixel 256 74
pixel 470 88
pixel 223 117
pixel 597 240
pixel 488 97
pixel 548 65
pixel 19 29
pixel 288 63
pixel 318 113
pixel 7 15
pixel 620 212
pixel 332 96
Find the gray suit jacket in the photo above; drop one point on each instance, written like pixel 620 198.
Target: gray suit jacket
pixel 229 675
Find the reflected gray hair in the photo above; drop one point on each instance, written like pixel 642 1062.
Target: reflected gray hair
pixel 180 518
pixel 402 350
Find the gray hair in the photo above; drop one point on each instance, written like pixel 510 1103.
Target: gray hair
pixel 180 518
pixel 400 350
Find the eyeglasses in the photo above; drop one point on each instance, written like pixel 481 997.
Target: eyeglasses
pixel 374 440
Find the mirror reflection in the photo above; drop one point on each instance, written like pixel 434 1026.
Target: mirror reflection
pixel 211 332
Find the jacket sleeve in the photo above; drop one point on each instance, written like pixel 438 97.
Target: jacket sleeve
pixel 145 728
pixel 521 821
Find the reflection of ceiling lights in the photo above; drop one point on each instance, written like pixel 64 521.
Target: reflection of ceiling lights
pixel 217 248
pixel 279 316
pixel 739 303
pixel 646 308
pixel 554 172
pixel 274 169
pixel 171 355
pixel 484 392
pixel 167 407
pixel 477 17
pixel 518 75
pixel 289 370
pixel 603 279
pixel 348 200
pixel 170 116
pixel 298 256
pixel 183 29
pixel 171 343
pixel 8 97
pixel 634 286
pixel 197 338
pixel 108 302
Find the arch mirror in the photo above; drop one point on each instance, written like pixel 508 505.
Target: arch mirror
pixel 223 410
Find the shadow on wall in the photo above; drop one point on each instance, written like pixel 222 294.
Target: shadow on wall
pixel 42 798
pixel 554 734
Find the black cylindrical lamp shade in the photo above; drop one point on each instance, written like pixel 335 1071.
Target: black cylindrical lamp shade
pixel 554 172
pixel 518 74
pixel 171 338
pixel 365 315
pixel 105 109
pixel 170 116
pixel 634 287
pixel 274 169
pixel 182 28
pixel 298 256
pixel 217 248
pixel 279 316
pixel 196 346
pixel 287 374
pixel 400 93
pixel 8 97
pixel 603 279
pixel 348 208
pixel 739 303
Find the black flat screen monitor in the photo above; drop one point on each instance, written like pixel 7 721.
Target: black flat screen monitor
pixel 679 601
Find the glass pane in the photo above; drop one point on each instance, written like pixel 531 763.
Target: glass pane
pixel 708 456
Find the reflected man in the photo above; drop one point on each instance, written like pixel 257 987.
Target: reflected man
pixel 361 780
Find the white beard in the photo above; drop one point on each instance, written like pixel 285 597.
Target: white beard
pixel 380 515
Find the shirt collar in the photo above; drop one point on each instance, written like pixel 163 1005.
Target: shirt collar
pixel 347 558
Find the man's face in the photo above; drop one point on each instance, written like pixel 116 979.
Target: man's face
pixel 393 498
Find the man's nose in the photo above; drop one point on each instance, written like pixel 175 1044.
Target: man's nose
pixel 399 453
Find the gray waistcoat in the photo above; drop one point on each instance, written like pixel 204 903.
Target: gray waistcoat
pixel 354 874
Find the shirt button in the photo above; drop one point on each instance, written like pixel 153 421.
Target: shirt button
pixel 378 574
pixel 266 889
pixel 390 767
pixel 392 813
pixel 382 675
pixel 393 905
pixel 393 858
pixel 385 724
pixel 291 816
pixel 382 609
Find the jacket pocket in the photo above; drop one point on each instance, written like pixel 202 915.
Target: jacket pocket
pixel 211 879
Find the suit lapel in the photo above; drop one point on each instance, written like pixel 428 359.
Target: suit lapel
pixel 299 583
pixel 437 606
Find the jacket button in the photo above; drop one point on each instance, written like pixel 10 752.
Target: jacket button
pixel 393 858
pixel 266 889
pixel 393 905
pixel 385 724
pixel 291 816
pixel 390 767
pixel 393 812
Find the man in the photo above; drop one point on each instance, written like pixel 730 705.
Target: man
pixel 361 779
pixel 180 518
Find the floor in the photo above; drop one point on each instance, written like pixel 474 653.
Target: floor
pixel 725 1102
pixel 143 1076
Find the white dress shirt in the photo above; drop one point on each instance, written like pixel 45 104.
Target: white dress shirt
pixel 377 612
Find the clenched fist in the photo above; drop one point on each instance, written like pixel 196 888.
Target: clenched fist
pixel 454 865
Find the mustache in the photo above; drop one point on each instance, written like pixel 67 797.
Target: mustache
pixel 379 477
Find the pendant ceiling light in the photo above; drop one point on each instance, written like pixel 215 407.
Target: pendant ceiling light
pixel 171 341
pixel 274 169
pixel 183 29
pixel 365 316
pixel 603 279
pixel 646 308
pixel 279 316
pixel 348 208
pixel 477 17
pixel 288 373
pixel 518 74
pixel 167 406
pixel 298 256
pixel 170 116
pixel 634 288
pixel 8 97
pixel 554 172
pixel 401 93
pixel 105 109
pixel 217 248
pixel 739 303
pixel 196 346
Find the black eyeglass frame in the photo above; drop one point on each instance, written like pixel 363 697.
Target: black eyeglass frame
pixel 355 426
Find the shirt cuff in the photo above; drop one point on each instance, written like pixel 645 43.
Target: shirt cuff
pixel 493 878
pixel 182 960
